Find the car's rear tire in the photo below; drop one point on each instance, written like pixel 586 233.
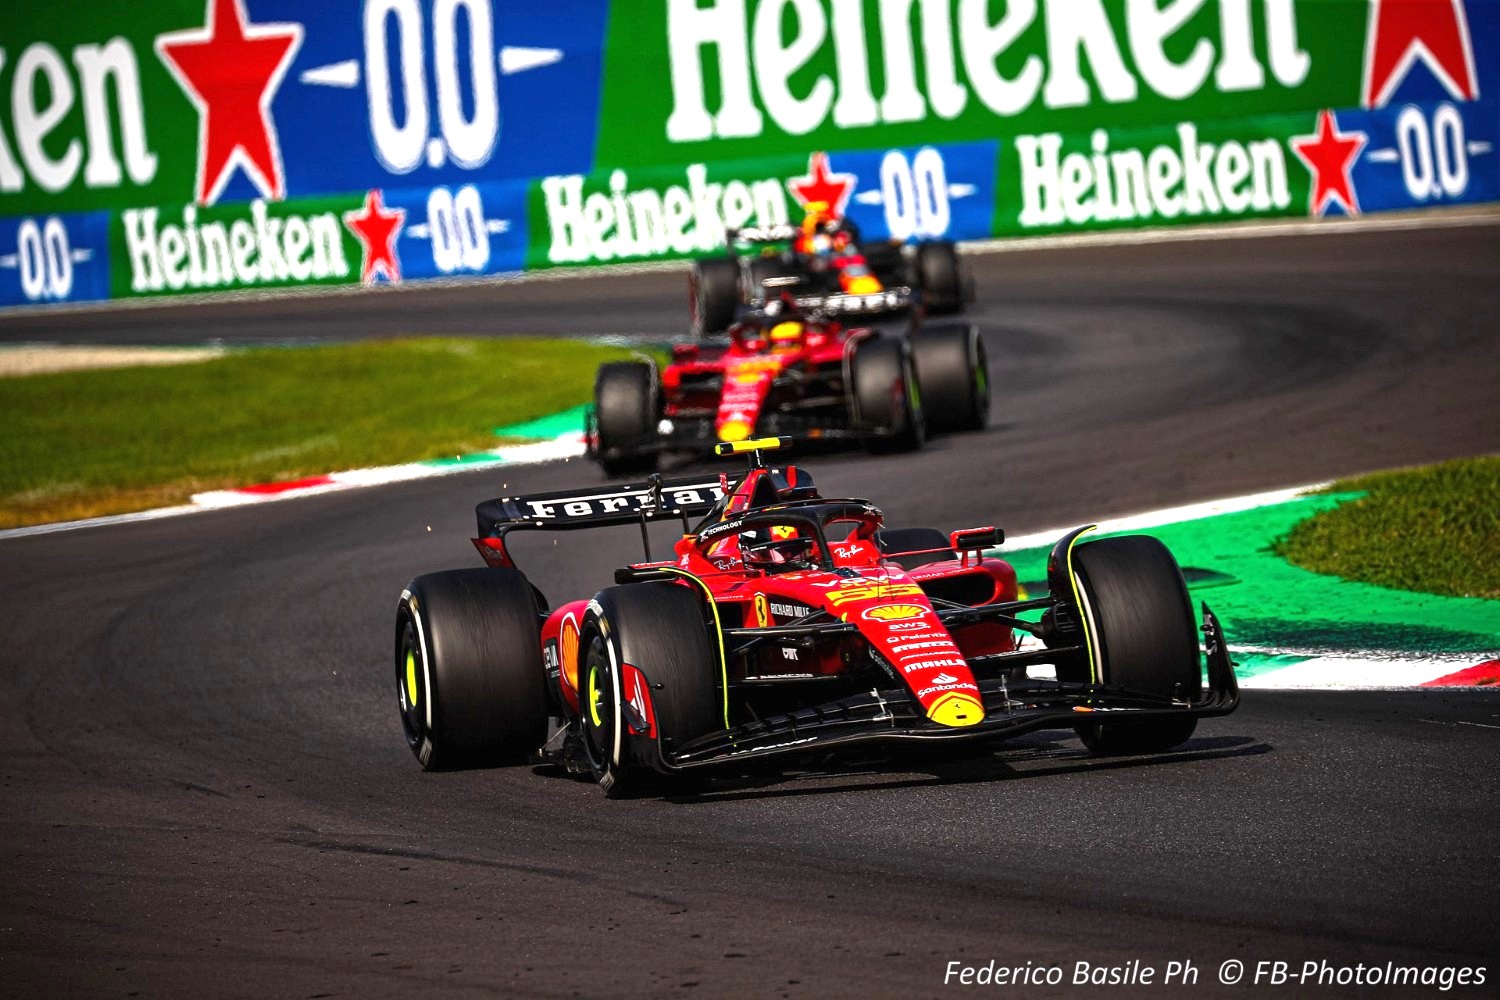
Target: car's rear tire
pixel 885 394
pixel 469 668
pixel 941 277
pixel 713 294
pixel 954 376
pixel 627 409
pixel 1145 638
pixel 659 629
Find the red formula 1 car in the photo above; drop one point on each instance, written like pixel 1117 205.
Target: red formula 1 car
pixel 787 624
pixel 787 370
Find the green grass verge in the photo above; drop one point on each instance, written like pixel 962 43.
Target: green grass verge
pixel 85 443
pixel 1434 530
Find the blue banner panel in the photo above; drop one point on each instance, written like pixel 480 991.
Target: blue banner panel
pixel 922 192
pixel 461 231
pixel 1424 155
pixel 53 259
pixel 434 92
pixel 1430 134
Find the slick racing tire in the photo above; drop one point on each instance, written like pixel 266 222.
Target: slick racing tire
pixel 627 408
pixel 953 375
pixel 471 688
pixel 713 295
pixel 659 629
pixel 885 394
pixel 940 277
pixel 1145 638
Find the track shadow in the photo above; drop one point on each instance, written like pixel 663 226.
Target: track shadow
pixel 951 768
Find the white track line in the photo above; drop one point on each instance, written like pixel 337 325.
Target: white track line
pixel 1359 672
pixel 1167 515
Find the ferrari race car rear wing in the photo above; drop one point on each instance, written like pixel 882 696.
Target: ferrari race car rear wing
pixel 849 304
pixel 657 499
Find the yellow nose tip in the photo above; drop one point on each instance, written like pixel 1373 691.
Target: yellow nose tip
pixel 734 430
pixel 957 710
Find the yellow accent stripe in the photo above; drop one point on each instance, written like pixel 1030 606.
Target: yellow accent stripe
pixel 718 631
pixel 1083 617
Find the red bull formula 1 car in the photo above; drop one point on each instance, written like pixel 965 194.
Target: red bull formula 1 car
pixel 785 624
pixel 823 263
pixel 785 370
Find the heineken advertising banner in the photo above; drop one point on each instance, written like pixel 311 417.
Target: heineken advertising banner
pixel 190 146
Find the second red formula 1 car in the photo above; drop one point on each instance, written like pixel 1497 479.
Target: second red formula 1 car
pixel 790 370
pixel 784 624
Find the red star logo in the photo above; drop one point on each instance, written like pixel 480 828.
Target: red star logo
pixel 821 185
pixel 1403 31
pixel 1330 154
pixel 230 70
pixel 377 228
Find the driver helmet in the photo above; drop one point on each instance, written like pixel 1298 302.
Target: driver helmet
pixel 776 550
pixel 786 335
pixel 818 217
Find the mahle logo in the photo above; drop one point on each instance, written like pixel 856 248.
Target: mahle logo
pixel 937 58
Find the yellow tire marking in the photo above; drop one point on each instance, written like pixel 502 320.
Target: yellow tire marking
pixel 411 677
pixel 1083 616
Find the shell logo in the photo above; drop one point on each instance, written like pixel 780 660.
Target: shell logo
pixel 567 649
pixel 895 612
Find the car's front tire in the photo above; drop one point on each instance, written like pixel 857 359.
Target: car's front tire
pixel 627 409
pixel 941 277
pixel 713 295
pixel 659 629
pixel 469 676
pixel 1145 638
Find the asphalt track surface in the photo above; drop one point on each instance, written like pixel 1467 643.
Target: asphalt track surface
pixel 207 794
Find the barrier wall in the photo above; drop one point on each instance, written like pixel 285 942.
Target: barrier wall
pixel 190 146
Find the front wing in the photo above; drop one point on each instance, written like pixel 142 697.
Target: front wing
pixel 1011 709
